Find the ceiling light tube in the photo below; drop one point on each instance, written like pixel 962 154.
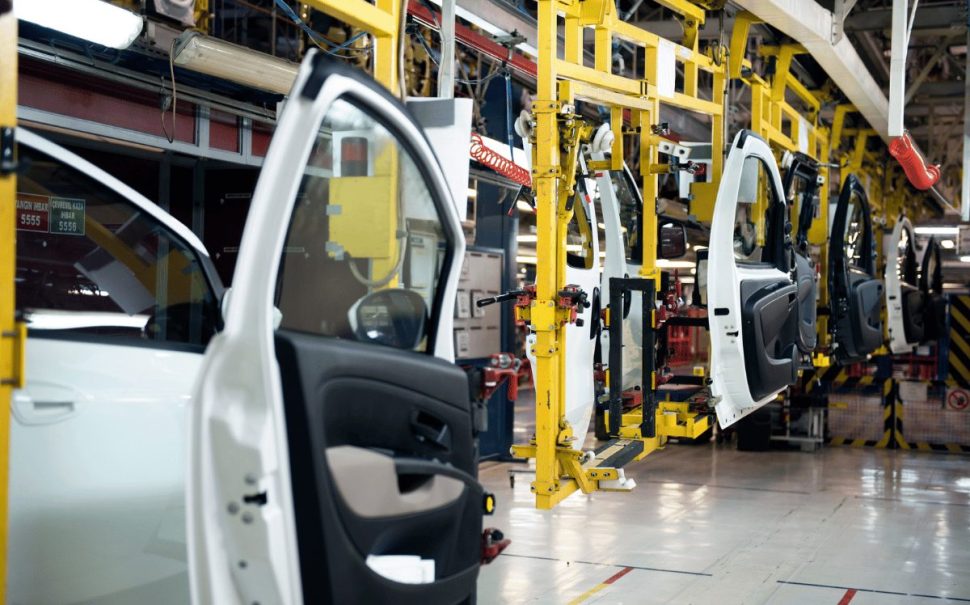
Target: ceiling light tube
pixel 236 63
pixel 929 230
pixel 92 20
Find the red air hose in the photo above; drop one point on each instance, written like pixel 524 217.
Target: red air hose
pixel 920 174
pixel 499 163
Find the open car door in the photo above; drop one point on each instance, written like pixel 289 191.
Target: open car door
pixel 931 285
pixel 856 295
pixel 801 189
pixel 751 294
pixel 905 299
pixel 333 456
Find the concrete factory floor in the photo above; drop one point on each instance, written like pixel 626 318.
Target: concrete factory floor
pixel 709 524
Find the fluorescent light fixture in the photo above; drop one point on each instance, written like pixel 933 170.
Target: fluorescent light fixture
pixel 526 260
pixel 528 238
pixel 236 63
pixel 524 206
pixel 947 244
pixel 91 20
pixel 937 230
pixel 965 259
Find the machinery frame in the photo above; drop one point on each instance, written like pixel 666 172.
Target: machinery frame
pixel 560 468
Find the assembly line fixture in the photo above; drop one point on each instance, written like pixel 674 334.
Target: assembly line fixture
pixel 561 469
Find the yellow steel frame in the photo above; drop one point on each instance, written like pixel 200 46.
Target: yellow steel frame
pixel 560 82
pixel 12 334
pixel 382 19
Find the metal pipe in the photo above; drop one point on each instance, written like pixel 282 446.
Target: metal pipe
pixel 965 178
pixel 897 68
pixel 446 74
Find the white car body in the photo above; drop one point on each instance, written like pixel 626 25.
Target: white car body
pixel 97 451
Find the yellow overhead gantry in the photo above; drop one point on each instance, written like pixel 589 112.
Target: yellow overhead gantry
pixel 557 135
pixel 12 333
pixel 382 19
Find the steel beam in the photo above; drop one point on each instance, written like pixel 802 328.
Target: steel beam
pixel 811 25
pixel 965 177
pixel 928 17
pixel 446 73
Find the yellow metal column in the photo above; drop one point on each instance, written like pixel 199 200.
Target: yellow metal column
pixel 11 335
pixel 383 20
pixel 550 264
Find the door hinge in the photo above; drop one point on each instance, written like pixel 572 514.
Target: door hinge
pixel 8 151
pixel 17 338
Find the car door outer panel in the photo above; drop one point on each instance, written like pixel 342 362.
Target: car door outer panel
pixel 743 377
pixel 333 398
pixel 904 298
pixel 856 295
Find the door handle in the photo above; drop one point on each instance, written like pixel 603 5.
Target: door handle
pixel 30 411
pixel 430 430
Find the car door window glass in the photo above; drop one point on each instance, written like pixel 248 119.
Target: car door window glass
pixel 92 265
pixel 752 222
pixel 579 237
pixel 631 214
pixel 364 221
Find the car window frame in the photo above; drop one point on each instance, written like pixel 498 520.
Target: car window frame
pixel 175 230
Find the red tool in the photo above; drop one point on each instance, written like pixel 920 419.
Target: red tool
pixel 920 174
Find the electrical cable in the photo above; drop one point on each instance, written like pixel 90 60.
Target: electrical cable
pixel 318 39
pixel 508 113
pixel 175 98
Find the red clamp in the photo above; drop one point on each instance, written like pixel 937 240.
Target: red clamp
pixel 573 297
pixel 920 174
pixel 493 543
pixel 501 367
pixel 525 296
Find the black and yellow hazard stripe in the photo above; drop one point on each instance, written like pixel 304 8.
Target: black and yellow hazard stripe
pixel 958 360
pixel 891 423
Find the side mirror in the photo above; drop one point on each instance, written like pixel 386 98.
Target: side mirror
pixel 699 298
pixel 672 242
pixel 394 318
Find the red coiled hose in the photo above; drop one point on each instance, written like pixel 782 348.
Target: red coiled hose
pixel 500 164
pixel 920 174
